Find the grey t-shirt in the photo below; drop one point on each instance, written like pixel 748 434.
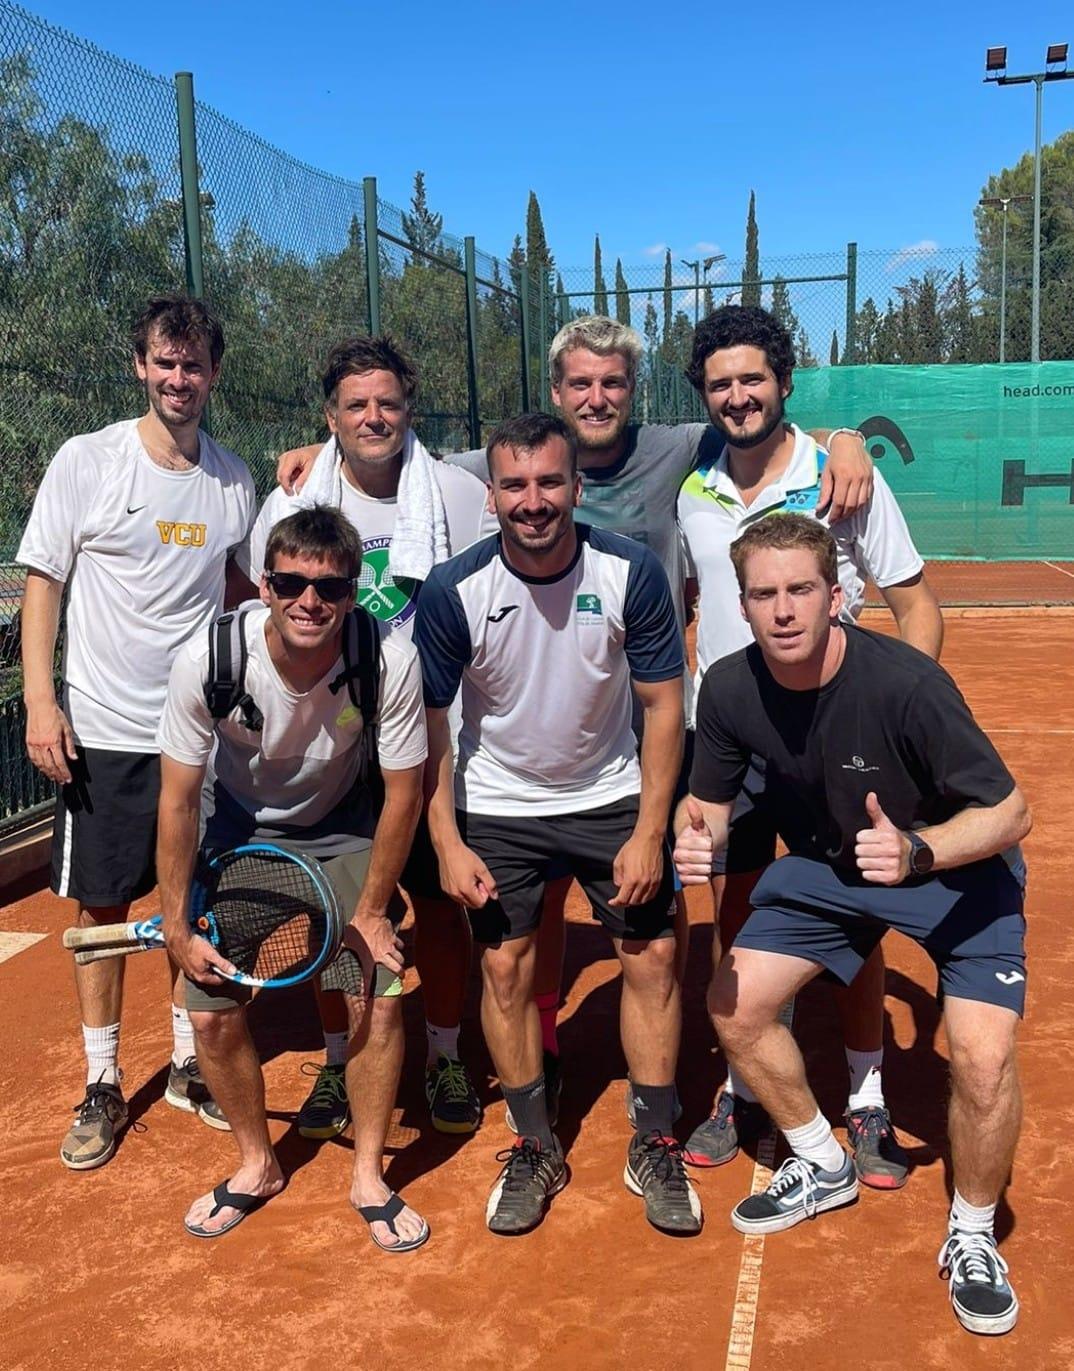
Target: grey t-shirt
pixel 636 497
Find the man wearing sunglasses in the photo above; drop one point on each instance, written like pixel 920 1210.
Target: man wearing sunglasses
pixel 292 772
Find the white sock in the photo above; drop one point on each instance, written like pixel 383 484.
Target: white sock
pixel 866 1082
pixel 971 1218
pixel 335 1048
pixel 738 1087
pixel 182 1035
pixel 102 1054
pixel 441 1040
pixel 815 1142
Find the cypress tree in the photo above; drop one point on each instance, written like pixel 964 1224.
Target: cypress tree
pixel 751 271
pixel 600 286
pixel 622 299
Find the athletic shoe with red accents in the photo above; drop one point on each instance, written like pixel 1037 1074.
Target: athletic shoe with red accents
pixel 716 1139
pixel 879 1158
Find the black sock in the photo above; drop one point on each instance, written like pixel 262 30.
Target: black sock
pixel 654 1108
pixel 529 1111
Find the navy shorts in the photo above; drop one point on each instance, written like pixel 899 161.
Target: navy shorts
pixel 751 841
pixel 969 921
pixel 524 853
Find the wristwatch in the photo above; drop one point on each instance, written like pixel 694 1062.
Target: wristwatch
pixel 921 855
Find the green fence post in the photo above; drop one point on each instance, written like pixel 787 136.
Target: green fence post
pixel 544 340
pixel 188 171
pixel 850 345
pixel 563 308
pixel 372 253
pixel 524 316
pixel 471 342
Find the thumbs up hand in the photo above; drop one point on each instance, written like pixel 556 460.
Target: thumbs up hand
pixel 882 851
pixel 693 847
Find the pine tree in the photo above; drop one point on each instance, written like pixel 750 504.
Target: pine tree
pixel 833 352
pixel 563 306
pixel 600 286
pixel 960 325
pixel 651 326
pixel 516 261
pixel 781 308
pixel 803 351
pixel 866 332
pixel 622 299
pixel 751 271
pixel 421 227
pixel 537 253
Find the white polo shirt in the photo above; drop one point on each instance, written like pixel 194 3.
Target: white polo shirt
pixel 873 542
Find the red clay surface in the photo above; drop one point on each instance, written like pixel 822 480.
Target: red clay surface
pixel 98 1273
pixel 999 583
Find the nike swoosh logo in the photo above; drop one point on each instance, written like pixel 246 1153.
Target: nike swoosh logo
pixel 136 509
pixel 503 613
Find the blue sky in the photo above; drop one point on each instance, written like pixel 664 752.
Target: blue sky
pixel 648 124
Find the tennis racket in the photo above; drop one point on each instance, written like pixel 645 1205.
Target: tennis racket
pixel 274 914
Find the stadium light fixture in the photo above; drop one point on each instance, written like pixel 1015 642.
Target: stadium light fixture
pixel 996 73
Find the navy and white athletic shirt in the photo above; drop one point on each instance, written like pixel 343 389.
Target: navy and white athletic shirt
pixel 545 668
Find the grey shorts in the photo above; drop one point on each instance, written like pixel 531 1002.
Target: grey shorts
pixel 347 874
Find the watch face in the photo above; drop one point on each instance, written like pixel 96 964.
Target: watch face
pixel 921 856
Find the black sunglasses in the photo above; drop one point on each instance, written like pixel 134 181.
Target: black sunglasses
pixel 289 585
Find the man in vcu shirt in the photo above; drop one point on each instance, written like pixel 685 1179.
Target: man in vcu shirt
pixel 137 522
pixel 547 626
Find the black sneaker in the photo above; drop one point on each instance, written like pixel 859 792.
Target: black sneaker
pixel 186 1090
pixel 325 1111
pixel 799 1190
pixel 879 1158
pixel 530 1177
pixel 91 1139
pixel 981 1294
pixel 717 1139
pixel 452 1099
pixel 654 1170
pixel 553 1089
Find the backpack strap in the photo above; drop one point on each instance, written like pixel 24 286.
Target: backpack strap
pixel 361 676
pixel 225 689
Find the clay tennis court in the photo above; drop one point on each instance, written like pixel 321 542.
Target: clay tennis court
pixel 97 1271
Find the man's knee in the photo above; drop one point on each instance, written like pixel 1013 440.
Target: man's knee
pixel 507 972
pixel 983 1052
pixel 220 1029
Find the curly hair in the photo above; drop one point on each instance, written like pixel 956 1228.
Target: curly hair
pixel 735 326
pixel 178 319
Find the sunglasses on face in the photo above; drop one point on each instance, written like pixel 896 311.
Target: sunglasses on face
pixel 289 585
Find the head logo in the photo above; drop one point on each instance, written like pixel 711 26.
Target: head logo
pixel 882 435
pixel 391 601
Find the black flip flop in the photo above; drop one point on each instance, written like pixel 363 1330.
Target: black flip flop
pixel 387 1213
pixel 230 1199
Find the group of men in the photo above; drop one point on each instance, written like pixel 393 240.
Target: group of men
pixel 533 713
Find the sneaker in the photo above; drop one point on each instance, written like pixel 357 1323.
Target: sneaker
pixel 879 1158
pixel 632 1118
pixel 553 1089
pixel 799 1190
pixel 325 1111
pixel 717 1139
pixel 981 1294
pixel 655 1171
pixel 91 1139
pixel 452 1099
pixel 186 1090
pixel 530 1177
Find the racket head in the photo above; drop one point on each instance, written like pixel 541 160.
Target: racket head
pixel 272 912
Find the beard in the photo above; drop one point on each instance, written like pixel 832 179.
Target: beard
pixel 739 440
pixel 596 442
pixel 535 544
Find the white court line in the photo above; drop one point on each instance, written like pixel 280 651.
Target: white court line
pixel 1061 569
pixel 1065 732
pixel 13 943
pixel 748 1289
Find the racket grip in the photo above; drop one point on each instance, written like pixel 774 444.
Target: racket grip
pixel 101 954
pixel 113 935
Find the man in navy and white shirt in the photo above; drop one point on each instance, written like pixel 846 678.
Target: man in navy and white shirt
pixel 547 627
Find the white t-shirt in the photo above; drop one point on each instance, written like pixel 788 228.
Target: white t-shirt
pixel 874 541
pixel 390 601
pixel 143 552
pixel 300 768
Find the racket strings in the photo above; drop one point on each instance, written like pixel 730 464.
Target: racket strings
pixel 271 916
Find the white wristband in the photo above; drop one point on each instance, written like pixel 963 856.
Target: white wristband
pixel 850 432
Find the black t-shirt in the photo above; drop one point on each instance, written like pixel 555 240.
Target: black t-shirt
pixel 890 720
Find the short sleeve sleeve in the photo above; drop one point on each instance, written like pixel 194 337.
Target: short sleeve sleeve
pixel 401 740
pixel 186 728
pixel 54 532
pixel 653 640
pixel 442 638
pixel 720 760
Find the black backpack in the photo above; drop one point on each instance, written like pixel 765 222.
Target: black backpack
pixel 225 688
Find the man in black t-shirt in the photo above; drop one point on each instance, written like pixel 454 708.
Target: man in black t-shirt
pixel 895 809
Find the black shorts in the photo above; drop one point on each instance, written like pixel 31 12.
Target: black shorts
pixel 969 920
pixel 104 835
pixel 522 854
pixel 751 840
